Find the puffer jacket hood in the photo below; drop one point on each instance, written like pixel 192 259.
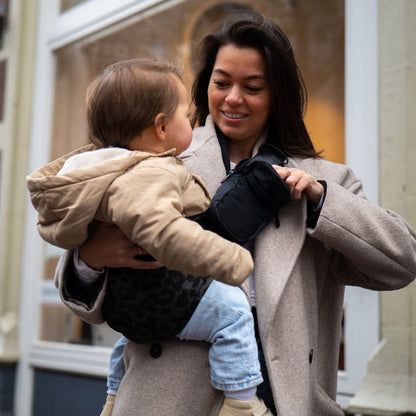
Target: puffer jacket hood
pixel 70 200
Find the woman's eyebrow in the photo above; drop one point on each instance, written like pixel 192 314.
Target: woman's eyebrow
pixel 225 73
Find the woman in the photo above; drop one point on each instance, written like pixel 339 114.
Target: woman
pixel 248 89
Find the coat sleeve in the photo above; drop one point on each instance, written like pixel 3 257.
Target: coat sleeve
pixel 148 206
pixel 371 247
pixel 84 301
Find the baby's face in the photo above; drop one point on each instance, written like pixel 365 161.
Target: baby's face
pixel 178 129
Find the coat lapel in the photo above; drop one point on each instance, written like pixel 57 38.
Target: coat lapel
pixel 275 254
pixel 203 157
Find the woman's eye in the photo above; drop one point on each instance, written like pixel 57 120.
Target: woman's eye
pixel 253 89
pixel 221 84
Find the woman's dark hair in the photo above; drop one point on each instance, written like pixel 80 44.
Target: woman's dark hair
pixel 126 98
pixel 287 89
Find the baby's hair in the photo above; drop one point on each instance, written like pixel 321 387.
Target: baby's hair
pixel 126 98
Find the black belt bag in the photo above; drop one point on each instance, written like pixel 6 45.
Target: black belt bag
pixel 248 198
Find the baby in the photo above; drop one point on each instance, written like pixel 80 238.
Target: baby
pixel 138 120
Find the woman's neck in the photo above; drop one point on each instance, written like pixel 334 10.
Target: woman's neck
pixel 239 150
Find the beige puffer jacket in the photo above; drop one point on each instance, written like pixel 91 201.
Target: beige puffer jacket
pixel 148 196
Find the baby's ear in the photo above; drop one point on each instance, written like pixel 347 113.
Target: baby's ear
pixel 160 124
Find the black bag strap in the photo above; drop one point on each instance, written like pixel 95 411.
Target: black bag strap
pixel 272 154
pixel 224 149
pixel 268 152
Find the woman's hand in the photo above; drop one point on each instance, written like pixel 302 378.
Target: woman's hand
pixel 300 182
pixel 107 246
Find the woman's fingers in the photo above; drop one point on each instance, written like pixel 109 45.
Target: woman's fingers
pixel 300 182
pixel 108 246
pixel 283 172
pixel 141 264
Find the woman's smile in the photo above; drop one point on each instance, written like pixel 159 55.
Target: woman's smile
pixel 234 116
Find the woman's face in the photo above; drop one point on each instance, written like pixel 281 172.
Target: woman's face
pixel 239 94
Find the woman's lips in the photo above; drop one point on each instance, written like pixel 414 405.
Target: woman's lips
pixel 234 116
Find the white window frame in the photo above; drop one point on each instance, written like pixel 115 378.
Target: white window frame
pixel 57 30
pixel 362 155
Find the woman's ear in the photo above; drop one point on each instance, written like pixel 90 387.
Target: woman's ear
pixel 160 125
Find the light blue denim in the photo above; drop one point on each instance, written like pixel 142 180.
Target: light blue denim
pixel 117 369
pixel 223 318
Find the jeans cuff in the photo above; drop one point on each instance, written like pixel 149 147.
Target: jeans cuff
pixel 235 386
pixel 113 383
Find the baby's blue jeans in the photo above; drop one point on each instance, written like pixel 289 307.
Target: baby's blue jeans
pixel 223 318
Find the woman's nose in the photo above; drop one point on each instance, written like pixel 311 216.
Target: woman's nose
pixel 234 96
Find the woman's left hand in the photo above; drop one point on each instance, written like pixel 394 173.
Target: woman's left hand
pixel 300 182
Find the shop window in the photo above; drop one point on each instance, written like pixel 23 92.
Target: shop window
pixel 316 30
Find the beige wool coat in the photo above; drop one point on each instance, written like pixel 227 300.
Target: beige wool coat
pixel 300 275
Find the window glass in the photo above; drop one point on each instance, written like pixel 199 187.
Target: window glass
pixel 316 30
